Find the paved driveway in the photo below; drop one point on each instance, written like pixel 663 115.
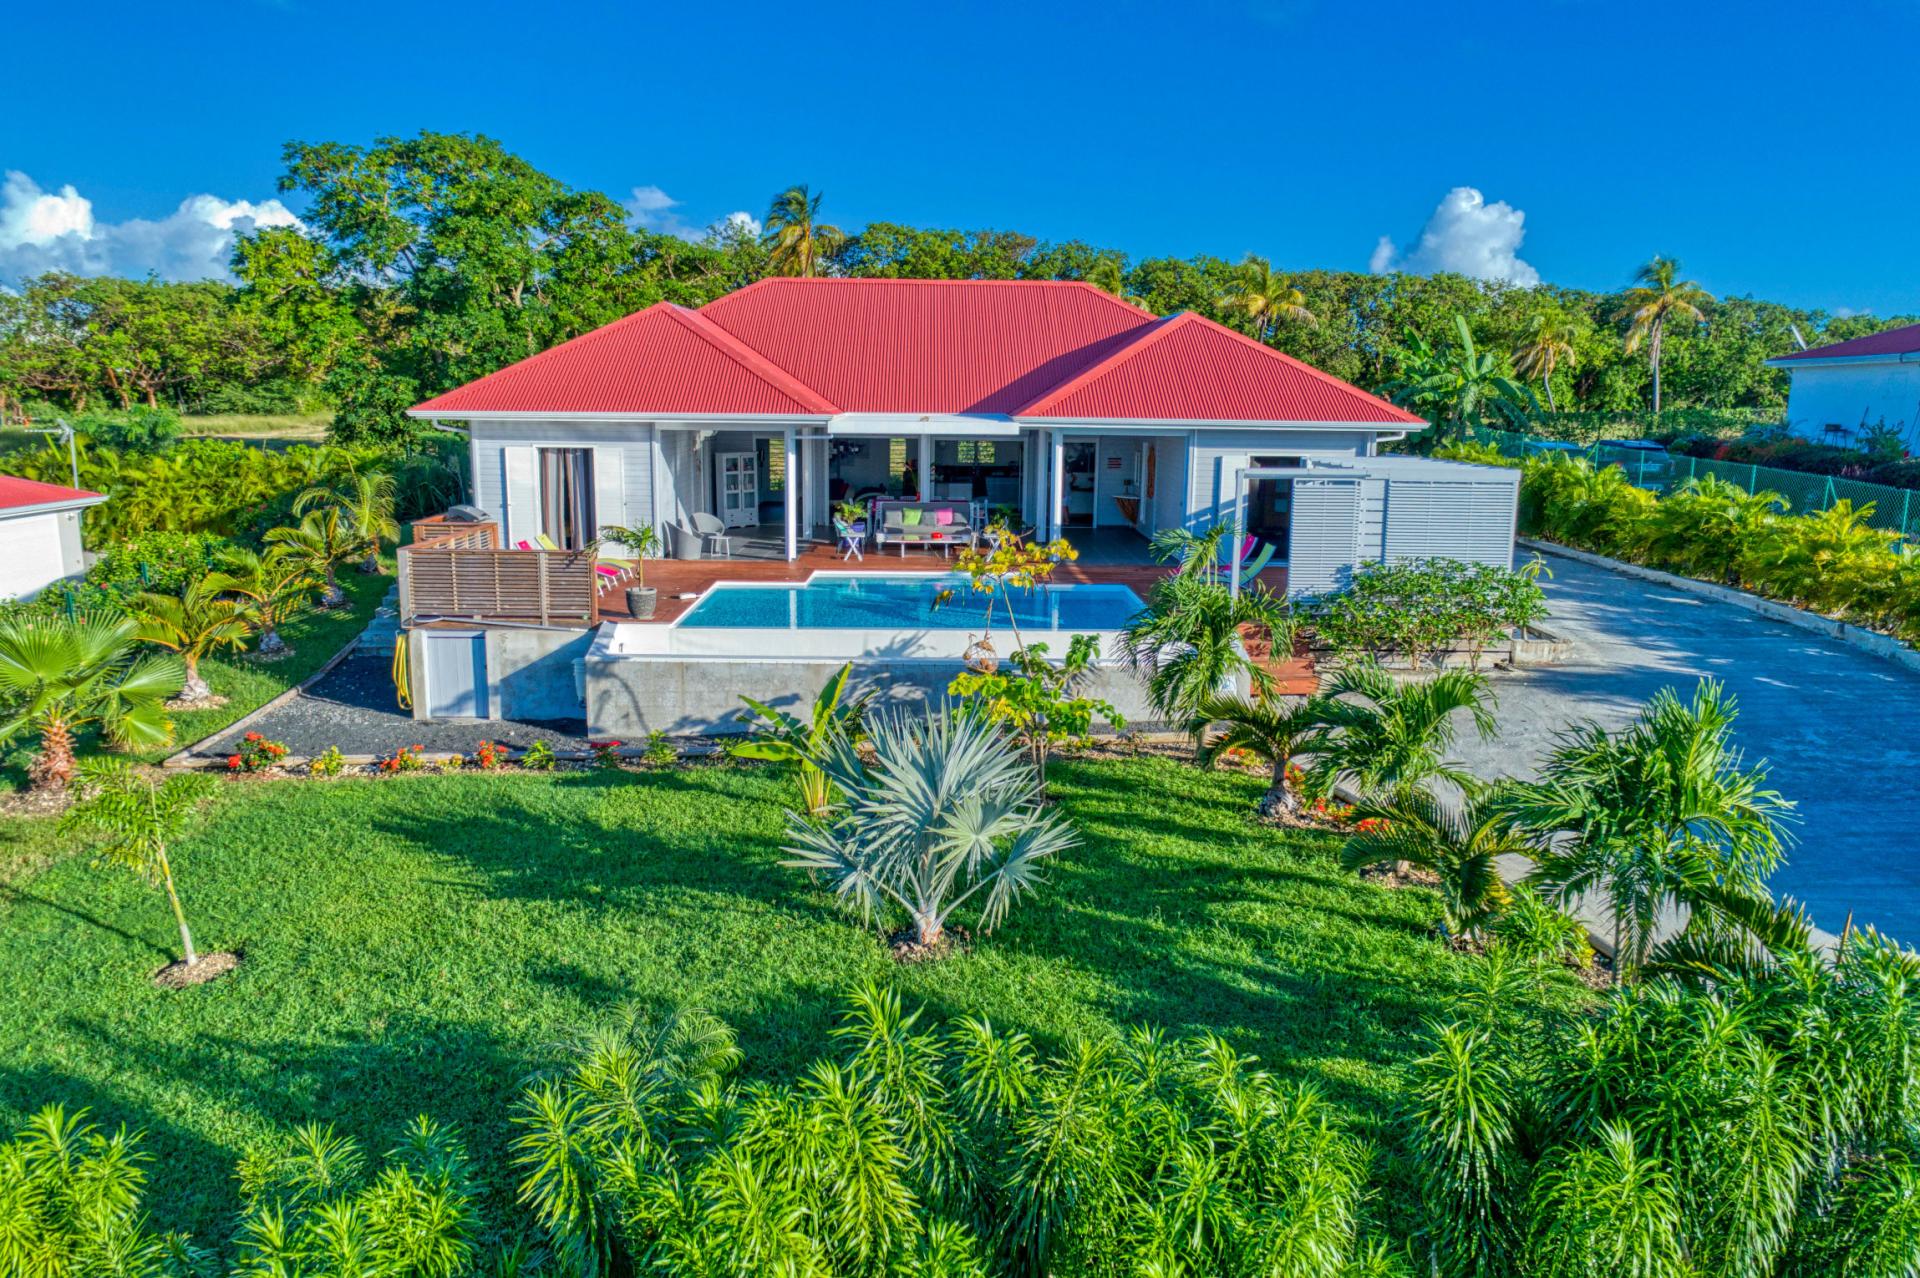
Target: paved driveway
pixel 1838 727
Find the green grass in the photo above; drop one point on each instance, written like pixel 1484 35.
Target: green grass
pixel 419 944
pixel 299 427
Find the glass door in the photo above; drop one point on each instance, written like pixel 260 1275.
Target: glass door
pixel 1270 506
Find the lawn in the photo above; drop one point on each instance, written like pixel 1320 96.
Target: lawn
pixel 303 428
pixel 419 944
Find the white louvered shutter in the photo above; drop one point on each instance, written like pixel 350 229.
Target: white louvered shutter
pixel 1323 545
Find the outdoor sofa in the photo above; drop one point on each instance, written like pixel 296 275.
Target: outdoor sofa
pixel 932 524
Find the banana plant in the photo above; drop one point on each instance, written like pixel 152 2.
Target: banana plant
pixel 784 738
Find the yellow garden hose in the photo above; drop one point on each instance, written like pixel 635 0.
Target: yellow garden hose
pixel 400 692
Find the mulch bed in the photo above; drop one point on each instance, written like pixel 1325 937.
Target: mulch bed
pixel 178 976
pixel 954 941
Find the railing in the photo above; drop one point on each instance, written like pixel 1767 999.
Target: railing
pixel 459 571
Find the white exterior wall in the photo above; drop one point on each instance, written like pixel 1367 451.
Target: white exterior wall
pixel 1855 397
pixel 494 459
pixel 38 550
pixel 1215 456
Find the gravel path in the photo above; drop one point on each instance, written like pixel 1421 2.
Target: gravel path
pixel 353 708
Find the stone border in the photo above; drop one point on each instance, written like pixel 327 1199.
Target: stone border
pixel 185 756
pixel 1868 641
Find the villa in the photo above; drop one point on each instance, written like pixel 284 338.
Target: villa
pixel 875 424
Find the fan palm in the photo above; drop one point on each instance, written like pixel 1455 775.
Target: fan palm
pixel 63 676
pixel 200 620
pixel 1387 738
pixel 1646 816
pixel 1187 642
pixel 1461 844
pixel 1265 300
pixel 1273 728
pixel 795 236
pixel 1658 299
pixel 1547 347
pixel 138 815
pixel 367 499
pixel 320 543
pixel 272 588
pixel 947 810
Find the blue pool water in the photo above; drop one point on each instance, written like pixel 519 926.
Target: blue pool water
pixel 868 602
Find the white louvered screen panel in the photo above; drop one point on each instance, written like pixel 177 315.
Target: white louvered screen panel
pixel 1323 546
pixel 1450 519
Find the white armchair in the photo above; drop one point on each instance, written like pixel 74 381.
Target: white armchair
pixel 712 532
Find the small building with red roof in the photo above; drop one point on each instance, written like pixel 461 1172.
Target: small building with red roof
pixel 1050 404
pixel 39 534
pixel 1844 391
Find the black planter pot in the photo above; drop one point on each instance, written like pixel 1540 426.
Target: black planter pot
pixel 640 601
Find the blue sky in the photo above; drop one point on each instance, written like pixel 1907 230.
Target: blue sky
pixel 1764 145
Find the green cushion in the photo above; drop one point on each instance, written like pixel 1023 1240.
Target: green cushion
pixel 910 516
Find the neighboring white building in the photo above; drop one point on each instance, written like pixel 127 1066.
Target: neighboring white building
pixel 39 534
pixel 1842 391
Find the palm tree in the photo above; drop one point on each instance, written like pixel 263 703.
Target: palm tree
pixel 1187 642
pixel 368 500
pixel 272 587
pixel 1265 300
pixel 948 810
pixel 1459 383
pixel 320 543
pixel 1388 739
pixel 62 676
pixel 795 236
pixel 1460 843
pixel 139 816
pixel 200 620
pixel 1274 728
pixel 1547 346
pixel 1657 299
pixel 1662 815
pixel 1109 275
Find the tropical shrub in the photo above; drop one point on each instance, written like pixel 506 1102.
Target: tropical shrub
pixel 1415 607
pixel 1706 526
pixel 1534 930
pixel 660 749
pixel 1569 501
pixel 606 754
pixel 136 429
pixel 1832 561
pixel 403 759
pixel 1189 641
pixel 1460 844
pixel 538 757
pixel 1759 1123
pixel 779 736
pixel 1038 701
pixel 62 677
pixel 164 562
pixel 256 754
pixel 923 1151
pixel 947 810
pixel 328 763
pixel 1386 738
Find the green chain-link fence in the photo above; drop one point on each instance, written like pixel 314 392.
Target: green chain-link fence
pixel 1894 509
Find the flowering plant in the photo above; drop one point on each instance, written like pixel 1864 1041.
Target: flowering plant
pixel 1331 813
pixel 328 763
pixel 606 754
pixel 256 753
pixel 404 759
pixel 489 754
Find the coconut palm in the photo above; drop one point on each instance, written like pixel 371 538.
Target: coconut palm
pixel 1265 300
pixel 198 621
pixel 1658 299
pixel 1653 819
pixel 1273 728
pixel 367 499
pixel 782 737
pixel 1460 843
pixel 138 816
pixel 63 676
pixel 320 543
pixel 1187 641
pixel 1387 738
pixel 1109 275
pixel 1547 347
pixel 795 236
pixel 948 809
pixel 272 588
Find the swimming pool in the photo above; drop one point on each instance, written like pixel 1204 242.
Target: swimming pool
pixel 921 601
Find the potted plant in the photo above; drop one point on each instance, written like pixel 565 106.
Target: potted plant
pixel 851 513
pixel 640 542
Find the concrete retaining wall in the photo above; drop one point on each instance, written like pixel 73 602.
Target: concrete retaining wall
pixel 632 696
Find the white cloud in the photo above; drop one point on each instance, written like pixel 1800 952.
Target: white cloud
pixel 653 209
pixel 742 221
pixel 1467 235
pixel 41 231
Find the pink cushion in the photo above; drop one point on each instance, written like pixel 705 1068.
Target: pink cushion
pixel 523 545
pixel 943 517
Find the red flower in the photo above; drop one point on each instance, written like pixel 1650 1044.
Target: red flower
pixel 252 736
pixel 233 761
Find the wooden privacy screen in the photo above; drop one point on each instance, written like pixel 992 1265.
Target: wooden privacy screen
pixel 462 573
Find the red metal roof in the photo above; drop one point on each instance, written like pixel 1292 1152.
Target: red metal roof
pixel 821 347
pixel 19 494
pixel 665 359
pixel 1188 368
pixel 1904 340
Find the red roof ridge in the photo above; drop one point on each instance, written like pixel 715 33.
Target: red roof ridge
pixel 1159 329
pixel 18 493
pixel 751 361
pixel 1902 340
pixel 864 281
